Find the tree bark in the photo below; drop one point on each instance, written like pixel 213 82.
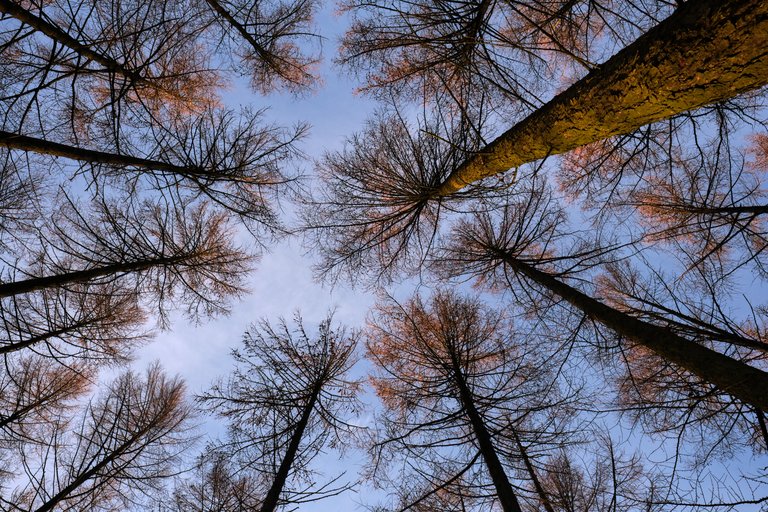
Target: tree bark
pixel 12 9
pixel 79 276
pixel 707 51
pixel 273 495
pixel 46 147
pixel 742 381
pixel 504 490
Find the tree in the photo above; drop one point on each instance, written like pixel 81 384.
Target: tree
pixel 285 403
pixel 639 85
pixel 681 46
pixel 265 38
pixel 457 383
pixel 34 392
pixel 517 248
pixel 127 440
pixel 187 258
pixel 215 487
pixel 98 322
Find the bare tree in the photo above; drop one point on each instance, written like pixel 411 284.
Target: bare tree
pixel 99 322
pixel 127 440
pixel 518 246
pixel 286 402
pixel 187 258
pixel 455 379
pixel 615 98
pixel 215 486
pixel 270 39
pixel 34 392
pixel 359 220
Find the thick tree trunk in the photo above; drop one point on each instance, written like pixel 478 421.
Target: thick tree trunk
pixel 273 495
pixel 55 33
pixel 504 490
pixel 742 381
pixel 80 276
pixel 46 147
pixel 707 51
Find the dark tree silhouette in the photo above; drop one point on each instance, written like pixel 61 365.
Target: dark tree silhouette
pixel 455 381
pixel 215 487
pixel 286 402
pixel 187 259
pixel 128 439
pixel 270 40
pixel 516 248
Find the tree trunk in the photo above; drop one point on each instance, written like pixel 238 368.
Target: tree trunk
pixel 15 346
pixel 504 490
pixel 707 51
pixel 45 147
pixel 273 496
pixel 265 55
pixel 742 381
pixel 79 276
pixel 532 471
pixel 55 33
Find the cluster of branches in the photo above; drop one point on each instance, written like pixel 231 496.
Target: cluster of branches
pixel 621 255
pixel 124 183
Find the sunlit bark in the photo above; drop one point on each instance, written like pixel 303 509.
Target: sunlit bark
pixel 707 51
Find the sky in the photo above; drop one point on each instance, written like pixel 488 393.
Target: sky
pixel 283 282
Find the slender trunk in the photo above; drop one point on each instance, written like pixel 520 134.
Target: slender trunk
pixel 273 496
pixel 744 382
pixel 504 490
pixel 758 209
pixel 46 147
pixel 13 347
pixel 707 51
pixel 265 55
pixel 763 428
pixel 41 25
pixel 79 276
pixel 532 471
pixel 64 493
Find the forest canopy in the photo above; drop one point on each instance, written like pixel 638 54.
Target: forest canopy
pixel 559 206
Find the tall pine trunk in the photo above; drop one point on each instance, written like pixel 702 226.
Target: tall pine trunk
pixel 742 381
pixel 273 495
pixel 504 491
pixel 706 51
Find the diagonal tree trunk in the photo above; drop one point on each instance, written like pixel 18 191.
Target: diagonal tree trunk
pixel 504 491
pixel 273 495
pixel 707 51
pixel 55 33
pixel 46 147
pixel 742 381
pixel 79 276
pixel 545 502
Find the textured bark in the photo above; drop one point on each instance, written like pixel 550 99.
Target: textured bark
pixel 742 381
pixel 273 495
pixel 504 490
pixel 45 147
pixel 707 51
pixel 12 9
pixel 80 276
